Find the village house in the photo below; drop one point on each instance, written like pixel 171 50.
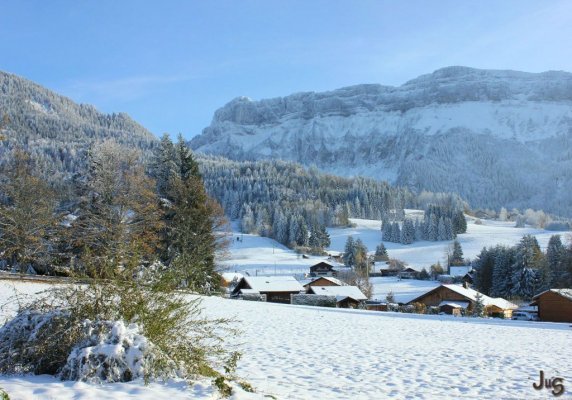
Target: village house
pixel 346 296
pixel 275 289
pixel 324 281
pixel 408 273
pixel 323 268
pixel 458 300
pixel 554 305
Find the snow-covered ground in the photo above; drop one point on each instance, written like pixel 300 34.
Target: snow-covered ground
pixel 424 253
pixel 297 352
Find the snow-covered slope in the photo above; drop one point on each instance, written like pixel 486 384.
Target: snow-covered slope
pixel 298 352
pixel 499 138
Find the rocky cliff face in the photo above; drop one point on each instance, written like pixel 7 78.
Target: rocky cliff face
pixel 498 138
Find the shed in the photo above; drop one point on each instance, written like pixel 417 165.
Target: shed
pixel 554 305
pixel 276 288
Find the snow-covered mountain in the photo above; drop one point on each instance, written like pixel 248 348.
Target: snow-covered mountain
pixel 499 138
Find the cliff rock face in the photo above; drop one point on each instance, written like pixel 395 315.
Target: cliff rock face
pixel 498 138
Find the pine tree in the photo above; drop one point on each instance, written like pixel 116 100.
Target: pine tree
pixel 408 232
pixel 381 253
pixel 191 220
pixel 349 252
pixel 360 254
pixel 555 256
pixel 459 223
pixel 484 266
pixel 441 232
pixel 457 256
pixel 504 259
pixel 479 307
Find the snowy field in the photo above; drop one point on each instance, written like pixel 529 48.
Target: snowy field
pixel 424 253
pixel 296 352
pixel 257 255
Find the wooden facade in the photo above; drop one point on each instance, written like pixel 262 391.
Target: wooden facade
pixel 323 268
pixel 441 293
pixel 451 294
pixel 322 281
pixel 554 306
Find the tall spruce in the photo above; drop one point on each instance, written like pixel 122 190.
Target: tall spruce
pixel 190 217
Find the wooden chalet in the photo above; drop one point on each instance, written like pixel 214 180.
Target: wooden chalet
pixel 457 299
pixel 323 268
pixel 554 305
pixel 324 281
pixel 408 273
pixel 275 289
pixel 346 296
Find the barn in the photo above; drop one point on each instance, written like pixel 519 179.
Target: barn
pixel 276 289
pixel 554 305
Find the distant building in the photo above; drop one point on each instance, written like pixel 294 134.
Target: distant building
pixel 323 268
pixel 408 273
pixel 554 305
pixel 275 289
pixel 346 296
pixel 324 281
pixel 456 299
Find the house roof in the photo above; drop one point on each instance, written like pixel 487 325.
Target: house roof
pixel 329 278
pixel 340 292
pixel 567 293
pixel 273 283
pixel 459 270
pixel 471 295
pixel 231 276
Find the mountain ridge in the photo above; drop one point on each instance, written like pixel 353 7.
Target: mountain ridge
pixel 458 129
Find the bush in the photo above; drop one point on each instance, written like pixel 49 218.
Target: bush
pixel 155 333
pixel 4 395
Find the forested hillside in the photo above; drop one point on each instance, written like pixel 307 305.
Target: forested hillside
pixel 56 132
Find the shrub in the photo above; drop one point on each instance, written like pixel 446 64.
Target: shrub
pixel 155 333
pixel 4 395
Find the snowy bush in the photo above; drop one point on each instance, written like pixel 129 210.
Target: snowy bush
pixel 110 352
pixel 52 343
pixel 4 395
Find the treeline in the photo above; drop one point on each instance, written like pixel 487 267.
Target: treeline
pixel 293 205
pixel 123 214
pixel 523 271
pixel 440 222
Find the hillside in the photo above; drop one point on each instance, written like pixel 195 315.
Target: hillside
pixel 57 131
pixel 498 138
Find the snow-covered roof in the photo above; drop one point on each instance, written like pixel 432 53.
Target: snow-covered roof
pixel 340 292
pixel 567 293
pixel 273 283
pixel 487 301
pixel 328 278
pixel 459 270
pixel 455 304
pixel 231 276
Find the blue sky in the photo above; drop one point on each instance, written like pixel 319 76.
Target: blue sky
pixel 171 64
